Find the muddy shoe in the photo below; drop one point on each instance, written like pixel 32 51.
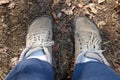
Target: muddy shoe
pixel 87 42
pixel 39 37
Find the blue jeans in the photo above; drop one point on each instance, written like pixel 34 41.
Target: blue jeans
pixel 35 69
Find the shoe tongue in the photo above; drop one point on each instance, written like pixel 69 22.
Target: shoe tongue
pixel 94 55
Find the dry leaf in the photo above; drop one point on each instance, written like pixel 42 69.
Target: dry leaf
pixel 101 7
pixel 101 23
pixel 80 5
pixel 111 1
pixel 14 61
pixel 55 2
pixel 4 1
pixel 68 11
pixel 86 11
pixel 101 1
pixel 68 2
pixel 118 2
pixel 54 15
pixel 3 50
pixel 94 10
pixel 94 1
pixel 92 7
pixel 11 5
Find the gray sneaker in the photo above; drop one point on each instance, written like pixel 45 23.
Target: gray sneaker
pixel 87 41
pixel 39 37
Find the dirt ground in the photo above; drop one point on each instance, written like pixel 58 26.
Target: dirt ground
pixel 17 15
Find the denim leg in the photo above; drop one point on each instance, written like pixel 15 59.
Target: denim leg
pixel 94 71
pixel 31 69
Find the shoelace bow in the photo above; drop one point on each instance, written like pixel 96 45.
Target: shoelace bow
pixel 38 39
pixel 90 43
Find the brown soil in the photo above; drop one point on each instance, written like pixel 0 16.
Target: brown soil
pixel 15 21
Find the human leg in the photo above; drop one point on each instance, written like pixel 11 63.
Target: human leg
pixel 94 71
pixel 90 63
pixel 31 69
pixel 36 58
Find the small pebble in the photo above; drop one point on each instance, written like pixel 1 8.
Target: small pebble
pixel 59 15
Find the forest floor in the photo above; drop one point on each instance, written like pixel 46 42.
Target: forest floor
pixel 17 15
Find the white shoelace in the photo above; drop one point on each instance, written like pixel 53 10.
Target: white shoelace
pixel 90 43
pixel 37 40
pixel 41 39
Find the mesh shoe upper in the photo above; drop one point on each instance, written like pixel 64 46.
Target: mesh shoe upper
pixel 87 40
pixel 39 37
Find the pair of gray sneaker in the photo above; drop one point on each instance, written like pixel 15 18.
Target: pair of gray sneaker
pixel 87 40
